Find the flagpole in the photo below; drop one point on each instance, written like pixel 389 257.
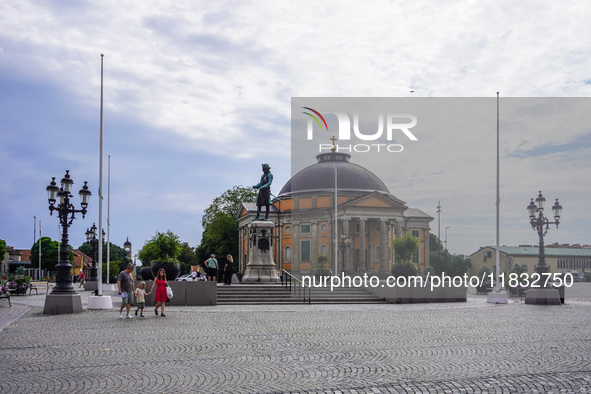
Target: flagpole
pixel 498 203
pixel 39 249
pixel 100 219
pixel 98 301
pixel 35 240
pixel 108 215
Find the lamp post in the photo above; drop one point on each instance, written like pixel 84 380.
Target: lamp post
pixel 540 223
pixel 344 246
pixel 66 214
pixel 93 241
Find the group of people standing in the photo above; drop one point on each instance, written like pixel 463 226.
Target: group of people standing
pixel 212 269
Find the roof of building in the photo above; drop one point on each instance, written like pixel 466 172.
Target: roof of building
pixel 548 251
pixel 320 177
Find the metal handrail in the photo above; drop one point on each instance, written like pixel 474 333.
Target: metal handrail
pixel 302 286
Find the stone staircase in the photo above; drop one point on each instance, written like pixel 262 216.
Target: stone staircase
pixel 269 294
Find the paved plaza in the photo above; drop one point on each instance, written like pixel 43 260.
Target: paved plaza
pixel 469 347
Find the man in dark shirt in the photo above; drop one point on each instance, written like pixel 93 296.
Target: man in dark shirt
pixel 126 289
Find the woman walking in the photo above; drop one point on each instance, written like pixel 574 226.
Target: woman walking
pixel 160 296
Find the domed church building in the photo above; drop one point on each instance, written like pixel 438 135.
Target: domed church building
pixel 368 218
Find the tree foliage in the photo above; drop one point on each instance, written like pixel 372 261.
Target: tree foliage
pixel 228 203
pixel 114 269
pixel 49 254
pixel 2 249
pixel 405 247
pixel 187 258
pixel 116 253
pixel 163 247
pixel 220 229
pixel 442 261
pixel 220 237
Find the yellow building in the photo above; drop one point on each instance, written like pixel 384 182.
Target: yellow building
pixel 367 212
pixel 558 258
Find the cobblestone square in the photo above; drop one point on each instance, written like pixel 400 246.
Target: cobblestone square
pixel 470 347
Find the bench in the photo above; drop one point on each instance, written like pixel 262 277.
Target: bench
pixel 7 296
pixel 35 284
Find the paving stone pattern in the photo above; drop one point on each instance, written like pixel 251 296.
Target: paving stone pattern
pixel 471 347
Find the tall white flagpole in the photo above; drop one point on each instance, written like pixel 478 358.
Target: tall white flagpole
pixel 108 216
pixel 100 220
pixel 40 270
pixel 499 285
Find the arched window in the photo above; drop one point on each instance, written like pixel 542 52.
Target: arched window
pixel 287 254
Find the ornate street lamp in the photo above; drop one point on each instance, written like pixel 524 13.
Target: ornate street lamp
pixel 93 241
pixel 345 242
pixel 541 224
pixel 66 211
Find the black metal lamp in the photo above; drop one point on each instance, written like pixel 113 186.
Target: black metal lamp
pixel 66 213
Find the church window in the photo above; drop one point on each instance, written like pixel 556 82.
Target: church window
pixel 305 250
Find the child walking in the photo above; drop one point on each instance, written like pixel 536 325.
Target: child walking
pixel 139 298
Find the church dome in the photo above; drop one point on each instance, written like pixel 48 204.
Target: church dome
pixel 352 179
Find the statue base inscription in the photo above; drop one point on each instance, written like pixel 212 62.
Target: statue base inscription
pixel 261 267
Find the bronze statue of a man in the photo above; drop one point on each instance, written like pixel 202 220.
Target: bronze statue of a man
pixel 264 187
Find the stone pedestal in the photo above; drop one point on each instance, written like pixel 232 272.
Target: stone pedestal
pixel 261 266
pixel 58 304
pixel 542 296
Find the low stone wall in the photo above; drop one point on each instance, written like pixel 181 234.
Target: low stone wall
pixel 416 294
pixel 190 293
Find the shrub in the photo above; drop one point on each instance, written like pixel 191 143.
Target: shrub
pixel 404 269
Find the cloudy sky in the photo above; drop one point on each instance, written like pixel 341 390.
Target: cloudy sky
pixel 197 94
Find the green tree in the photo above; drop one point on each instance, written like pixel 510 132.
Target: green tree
pixel 220 237
pixel 163 247
pixel 114 269
pixel 49 254
pixel 116 253
pixel 147 254
pixel 220 229
pixel 405 247
pixel 434 243
pixel 322 260
pixel 187 258
pixel 2 249
pixel 442 261
pixel 228 203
